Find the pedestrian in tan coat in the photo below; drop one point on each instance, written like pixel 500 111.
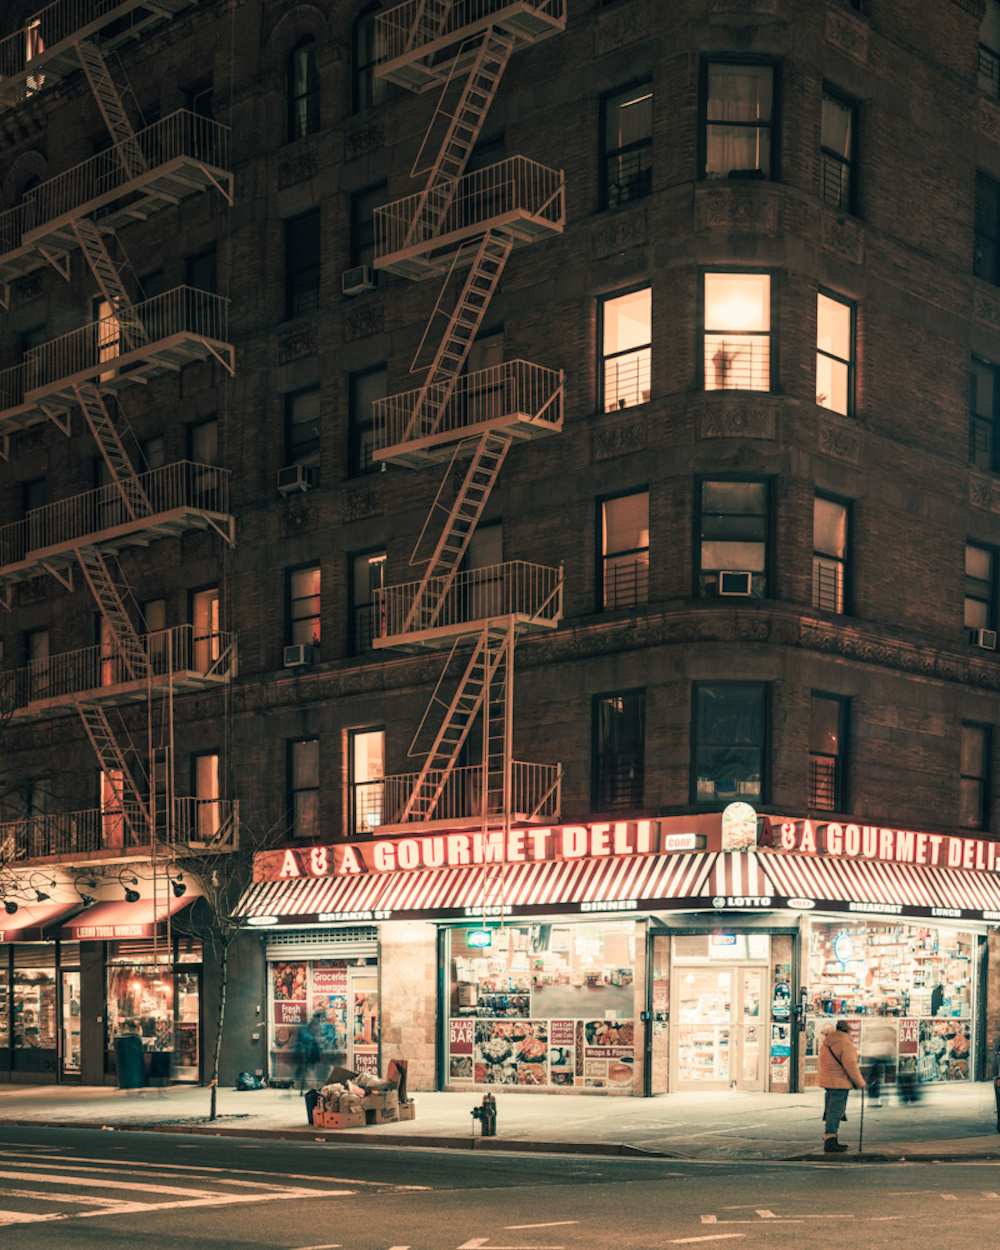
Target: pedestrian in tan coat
pixel 838 1075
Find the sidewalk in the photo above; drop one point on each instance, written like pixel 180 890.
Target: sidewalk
pixel 950 1122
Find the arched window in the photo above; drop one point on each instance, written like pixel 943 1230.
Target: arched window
pixel 368 90
pixel 303 91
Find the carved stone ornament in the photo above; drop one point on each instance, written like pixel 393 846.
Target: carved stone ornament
pixel 620 27
pixel 360 322
pixel 296 520
pixel 840 443
pixel 762 8
pixel 37 590
pixel 737 208
pixel 362 140
pixel 297 168
pixel 28 287
pixel 737 418
pixel 366 502
pixel 983 494
pixel 618 232
pixel 296 344
pixel 619 439
pixel 848 33
pixel 989 120
pixel 844 238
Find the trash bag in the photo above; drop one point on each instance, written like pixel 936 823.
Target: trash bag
pixel 312 1098
pixel 246 1080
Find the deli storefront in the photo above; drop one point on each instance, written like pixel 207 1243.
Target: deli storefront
pixel 636 957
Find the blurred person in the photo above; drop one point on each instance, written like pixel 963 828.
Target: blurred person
pixel 307 1051
pixel 879 1041
pixel 838 1075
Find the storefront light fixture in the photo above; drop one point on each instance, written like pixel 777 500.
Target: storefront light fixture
pixel 131 896
pixel 86 900
pixel 179 887
pixel 41 896
pixel 9 906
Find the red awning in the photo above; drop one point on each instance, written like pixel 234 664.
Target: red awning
pixel 106 921
pixel 29 922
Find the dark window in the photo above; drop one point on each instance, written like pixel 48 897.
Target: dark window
pixel 203 442
pixel 837 143
pixel 34 494
pixel 980 587
pixel 303 91
pixel 626 351
pixel 198 100
pixel 303 788
pixel 738 118
pixel 989 50
pixel 201 271
pixel 302 426
pixel 984 415
pixel 986 257
pixel 619 751
pixel 733 534
pixel 364 389
pixel 830 551
pixel 302 264
pixel 835 354
pixel 303 599
pixel 974 783
pixel 624 522
pixel 628 145
pixel 737 332
pixel 827 752
pixel 154 452
pixel 730 722
pixel 367 577
pixel 366 751
pixel 363 205
pixel 368 90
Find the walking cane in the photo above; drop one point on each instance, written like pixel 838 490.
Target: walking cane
pixel 861 1130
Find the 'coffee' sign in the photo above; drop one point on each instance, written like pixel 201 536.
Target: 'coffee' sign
pixel 904 846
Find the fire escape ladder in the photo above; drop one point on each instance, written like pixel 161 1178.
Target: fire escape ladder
pixel 498 729
pixel 484 468
pixel 429 22
pixel 115 456
pixel 109 101
pixel 130 328
pixel 112 761
pixel 464 323
pixel 129 649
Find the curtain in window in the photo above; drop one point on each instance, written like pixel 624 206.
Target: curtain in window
pixel 739 116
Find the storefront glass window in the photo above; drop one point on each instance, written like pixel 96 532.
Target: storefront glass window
pixel 323 1012
pixel 543 1005
pixel 35 1008
pixel 4 1008
pixel 141 1001
pixel 722 945
pixel 907 990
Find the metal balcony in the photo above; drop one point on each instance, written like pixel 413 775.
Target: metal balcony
pixel 157 336
pixel 417 42
pixel 423 425
pixel 182 496
pixel 531 593
pixel 182 657
pixel 43 51
pixel 419 235
pixel 121 834
pixel 185 155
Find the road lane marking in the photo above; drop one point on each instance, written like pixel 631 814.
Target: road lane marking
pixel 686 1241
pixel 949 1197
pixel 334 1245
pixel 476 1242
pixel 551 1224
pixel 49 1195
pixel 19 1217
pixel 988 1193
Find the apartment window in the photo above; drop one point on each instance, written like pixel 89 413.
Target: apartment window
pixel 35 648
pixel 205 787
pixel 834 354
pixel 368 90
pixel 827 752
pixel 626 348
pixel 363 206
pixel 303 91
pixel 989 50
pixel 154 624
pixel 111 801
pixel 107 334
pixel 733 537
pixel 367 578
pixel 364 388
pixel 303 787
pixel 839 125
pixel 201 272
pixel 737 332
pixel 974 780
pixel 980 587
pixel 366 760
pixel 302 258
pixel 730 720
pixel 624 522
pixel 302 426
pixel 197 99
pixel 984 415
pixel 830 537
pixel 986 257
pixel 206 637
pixel 203 442
pixel 154 452
pixel 738 119
pixel 628 145
pixel 619 751
pixel 303 599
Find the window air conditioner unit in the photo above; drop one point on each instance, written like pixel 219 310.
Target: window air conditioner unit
pixel 296 477
pixel 985 638
pixel 298 655
pixel 736 584
pixel 355 281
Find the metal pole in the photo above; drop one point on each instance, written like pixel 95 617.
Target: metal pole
pixel 861 1130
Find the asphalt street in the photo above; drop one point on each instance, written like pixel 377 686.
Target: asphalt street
pixel 84 1188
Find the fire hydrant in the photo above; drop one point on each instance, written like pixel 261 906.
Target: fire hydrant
pixel 487 1115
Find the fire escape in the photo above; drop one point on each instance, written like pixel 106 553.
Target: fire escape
pixel 461 228
pixel 140 173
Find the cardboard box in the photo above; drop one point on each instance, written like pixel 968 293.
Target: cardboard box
pixel 388 1116
pixel 382 1101
pixel 340 1076
pixel 344 1119
pixel 407 1110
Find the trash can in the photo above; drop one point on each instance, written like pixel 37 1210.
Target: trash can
pixel 160 1065
pixel 130 1061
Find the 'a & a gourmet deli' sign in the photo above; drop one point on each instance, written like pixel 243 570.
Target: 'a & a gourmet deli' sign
pixel 903 846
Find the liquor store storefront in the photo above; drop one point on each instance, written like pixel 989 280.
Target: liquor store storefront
pixel 635 958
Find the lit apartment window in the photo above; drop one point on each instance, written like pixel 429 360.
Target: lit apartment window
pixel 980 587
pixel 205 787
pixel 830 538
pixel 303 91
pixel 302 264
pixel 367 578
pixel 303 591
pixel 989 50
pixel 364 389
pixel 974 782
pixel 302 426
pixel 827 752
pixel 733 537
pixel 368 90
pixel 834 354
pixel 837 141
pixel 625 550
pixel 363 206
pixel 107 334
pixel 303 787
pixel 366 751
pixel 111 790
pixel 737 120
pixel 619 751
pixel 986 256
pixel 207 643
pixel 626 351
pixel 628 145
pixel 728 748
pixel 737 334
pixel 984 415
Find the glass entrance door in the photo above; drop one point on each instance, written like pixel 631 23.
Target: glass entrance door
pixel 69 1067
pixel 718 1027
